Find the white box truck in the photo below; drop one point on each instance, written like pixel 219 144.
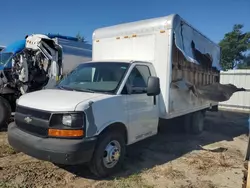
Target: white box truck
pixel 140 73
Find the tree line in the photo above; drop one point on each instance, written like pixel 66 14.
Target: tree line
pixel 235 49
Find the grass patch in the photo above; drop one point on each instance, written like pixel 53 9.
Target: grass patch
pixel 133 181
pixel 6 184
pixel 206 161
pixel 224 162
pixel 6 150
pixel 166 172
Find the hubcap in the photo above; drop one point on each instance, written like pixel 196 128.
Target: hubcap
pixel 111 154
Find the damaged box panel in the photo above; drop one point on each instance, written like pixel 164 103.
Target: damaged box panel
pixel 186 74
pixel 196 47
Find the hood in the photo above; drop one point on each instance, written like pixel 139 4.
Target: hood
pixel 57 100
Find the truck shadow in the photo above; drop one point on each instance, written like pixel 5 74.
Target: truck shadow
pixel 172 143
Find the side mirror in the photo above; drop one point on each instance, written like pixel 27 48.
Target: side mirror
pixel 153 87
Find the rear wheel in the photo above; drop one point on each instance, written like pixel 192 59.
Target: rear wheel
pixel 194 123
pixel 5 112
pixel 109 154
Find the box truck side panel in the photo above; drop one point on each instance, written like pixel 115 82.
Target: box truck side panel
pixel 162 64
pixel 139 48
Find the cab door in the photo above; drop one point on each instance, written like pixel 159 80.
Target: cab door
pixel 142 111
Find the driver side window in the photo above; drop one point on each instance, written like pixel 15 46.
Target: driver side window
pixel 137 80
pixel 85 75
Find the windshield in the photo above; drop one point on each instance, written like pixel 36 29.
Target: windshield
pixel 5 58
pixel 95 77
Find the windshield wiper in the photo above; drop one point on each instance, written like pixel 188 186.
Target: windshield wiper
pixel 63 87
pixel 73 89
pixel 84 90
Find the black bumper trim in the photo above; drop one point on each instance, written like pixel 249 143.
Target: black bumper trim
pixel 60 151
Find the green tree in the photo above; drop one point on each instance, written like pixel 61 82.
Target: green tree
pixel 246 63
pixel 233 46
pixel 80 37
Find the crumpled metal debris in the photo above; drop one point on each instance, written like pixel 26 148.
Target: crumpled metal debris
pixel 215 92
pixel 212 148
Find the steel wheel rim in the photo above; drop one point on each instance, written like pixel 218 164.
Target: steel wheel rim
pixel 111 154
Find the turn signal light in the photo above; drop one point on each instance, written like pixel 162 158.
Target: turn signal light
pixel 65 133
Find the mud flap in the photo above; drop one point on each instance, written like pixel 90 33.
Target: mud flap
pixel 213 109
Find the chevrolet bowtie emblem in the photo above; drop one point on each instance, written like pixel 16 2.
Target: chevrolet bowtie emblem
pixel 27 119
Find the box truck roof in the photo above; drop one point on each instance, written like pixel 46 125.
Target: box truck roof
pixel 136 27
pixel 147 25
pixel 151 40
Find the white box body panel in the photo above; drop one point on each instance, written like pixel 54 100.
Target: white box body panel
pixel 151 40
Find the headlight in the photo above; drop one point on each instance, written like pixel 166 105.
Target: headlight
pixel 67 120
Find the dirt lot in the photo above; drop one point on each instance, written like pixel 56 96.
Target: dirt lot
pixel 170 160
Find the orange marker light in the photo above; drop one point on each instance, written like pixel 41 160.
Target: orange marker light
pixel 65 133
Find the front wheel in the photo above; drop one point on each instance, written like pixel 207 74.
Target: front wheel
pixel 109 154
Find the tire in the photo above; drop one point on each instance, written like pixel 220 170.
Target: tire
pixel 5 112
pixel 98 165
pixel 194 123
pixel 187 121
pixel 197 125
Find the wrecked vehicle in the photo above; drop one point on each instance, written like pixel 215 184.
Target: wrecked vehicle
pixel 121 96
pixel 34 63
pixel 1 48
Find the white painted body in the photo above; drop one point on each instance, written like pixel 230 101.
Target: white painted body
pixel 240 101
pixel 140 43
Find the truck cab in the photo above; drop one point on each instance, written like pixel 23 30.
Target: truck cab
pixel 95 111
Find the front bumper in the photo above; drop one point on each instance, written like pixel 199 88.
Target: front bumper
pixel 60 151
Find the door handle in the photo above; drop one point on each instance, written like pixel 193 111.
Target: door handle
pixel 154 100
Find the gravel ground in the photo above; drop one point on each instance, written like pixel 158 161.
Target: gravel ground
pixel 169 160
